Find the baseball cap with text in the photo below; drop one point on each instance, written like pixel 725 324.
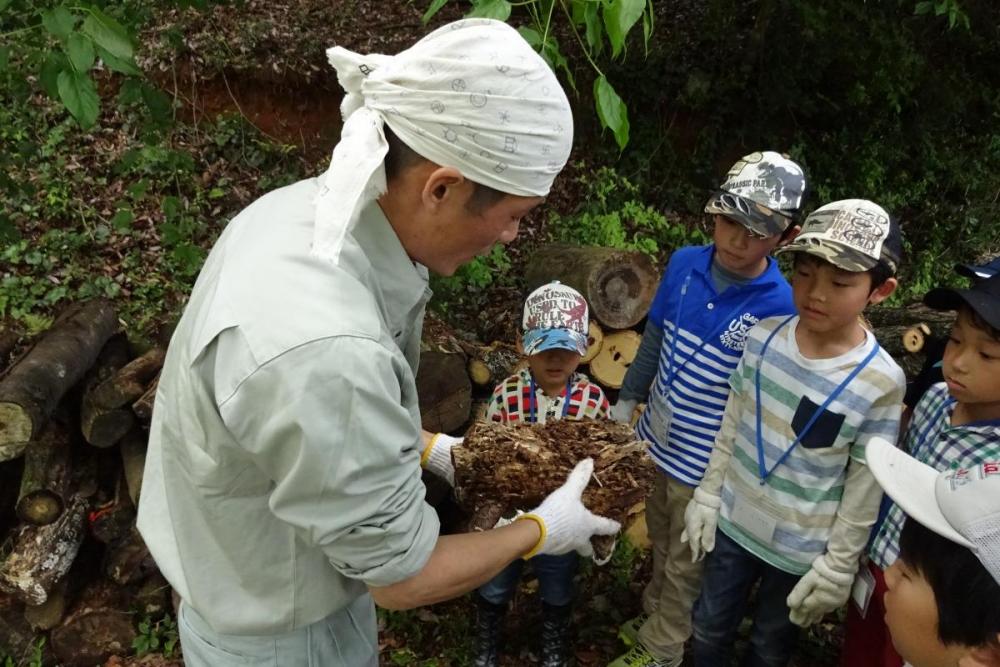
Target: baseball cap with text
pixel 555 317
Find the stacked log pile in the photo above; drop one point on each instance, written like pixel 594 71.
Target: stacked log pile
pixel 74 408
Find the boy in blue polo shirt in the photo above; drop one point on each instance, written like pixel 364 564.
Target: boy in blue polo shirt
pixel 708 300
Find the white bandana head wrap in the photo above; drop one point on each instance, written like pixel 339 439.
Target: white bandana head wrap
pixel 472 95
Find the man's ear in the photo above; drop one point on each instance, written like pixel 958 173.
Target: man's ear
pixel 883 291
pixel 790 235
pixel 440 185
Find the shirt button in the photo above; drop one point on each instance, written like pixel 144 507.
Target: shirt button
pixel 711 306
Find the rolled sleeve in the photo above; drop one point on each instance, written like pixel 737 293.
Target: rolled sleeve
pixel 328 422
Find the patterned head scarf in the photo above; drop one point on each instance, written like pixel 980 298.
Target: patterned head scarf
pixel 472 95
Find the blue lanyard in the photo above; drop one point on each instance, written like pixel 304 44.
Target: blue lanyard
pixel 531 401
pixel 761 464
pixel 676 332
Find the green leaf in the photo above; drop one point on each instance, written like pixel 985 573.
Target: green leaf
pixel 122 220
pixel 594 29
pixel 4 4
pixel 435 7
pixel 157 102
pixel 648 21
pixel 55 63
pixel 108 34
pixel 491 9
pixel 619 17
pixel 81 53
pixel 59 22
pixel 923 7
pixel 611 111
pixel 116 64
pixel 4 56
pixel 78 92
pixel 531 36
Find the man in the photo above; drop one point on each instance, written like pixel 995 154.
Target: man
pixel 282 488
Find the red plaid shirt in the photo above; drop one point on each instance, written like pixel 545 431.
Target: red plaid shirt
pixel 511 401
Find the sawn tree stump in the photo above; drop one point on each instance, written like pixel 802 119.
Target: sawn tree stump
pixel 500 469
pixel 619 285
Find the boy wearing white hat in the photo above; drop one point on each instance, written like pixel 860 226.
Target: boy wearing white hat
pixel 942 604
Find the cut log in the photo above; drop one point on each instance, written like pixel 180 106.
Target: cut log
pixel 500 469
pixel 619 285
pixel 129 561
pixel 96 628
pixel 143 408
pixel 595 339
pixel 10 336
pixel 32 388
pixel 105 413
pixel 133 451
pixel 43 554
pixel 617 353
pixel 491 363
pixel 50 613
pixel 444 391
pixel 18 639
pixel 45 479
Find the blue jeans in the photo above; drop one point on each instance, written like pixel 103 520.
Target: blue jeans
pixel 555 579
pixel 730 573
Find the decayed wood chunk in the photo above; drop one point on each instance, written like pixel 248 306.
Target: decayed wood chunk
pixel 501 468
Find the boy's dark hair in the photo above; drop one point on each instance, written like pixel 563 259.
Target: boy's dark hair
pixel 967 596
pixel 879 274
pixel 979 322
pixel 401 157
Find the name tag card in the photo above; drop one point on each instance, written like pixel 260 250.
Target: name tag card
pixel 754 521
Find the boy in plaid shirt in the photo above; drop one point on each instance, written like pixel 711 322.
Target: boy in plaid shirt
pixel 955 425
pixel 555 339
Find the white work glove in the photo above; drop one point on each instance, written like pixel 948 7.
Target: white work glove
pixel 623 409
pixel 565 523
pixel 437 457
pixel 819 592
pixel 701 517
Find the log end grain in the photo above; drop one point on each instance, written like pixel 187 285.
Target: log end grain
pixel 40 508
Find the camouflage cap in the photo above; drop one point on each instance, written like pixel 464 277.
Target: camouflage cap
pixel 852 234
pixel 763 192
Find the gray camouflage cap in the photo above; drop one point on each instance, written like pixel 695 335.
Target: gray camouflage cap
pixel 851 234
pixel 763 192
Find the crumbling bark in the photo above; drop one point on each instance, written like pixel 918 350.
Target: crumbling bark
pixel 501 469
pixel 31 389
pixel 619 285
pixel 43 554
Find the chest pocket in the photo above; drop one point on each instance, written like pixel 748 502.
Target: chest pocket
pixel 824 430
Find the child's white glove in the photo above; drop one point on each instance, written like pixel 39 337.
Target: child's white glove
pixel 565 523
pixel 701 517
pixel 822 590
pixel 437 457
pixel 622 410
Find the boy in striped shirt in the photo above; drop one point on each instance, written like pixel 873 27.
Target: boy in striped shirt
pixel 555 326
pixel 955 425
pixel 787 482
pixel 706 303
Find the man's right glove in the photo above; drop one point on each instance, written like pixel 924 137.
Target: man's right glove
pixel 565 523
pixel 622 410
pixel 701 517
pixel 821 590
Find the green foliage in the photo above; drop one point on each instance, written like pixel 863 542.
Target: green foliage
pixel 613 215
pixel 156 636
pixel 441 626
pixel 34 659
pixel 603 22
pixel 467 287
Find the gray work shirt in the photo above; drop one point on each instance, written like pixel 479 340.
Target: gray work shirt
pixel 283 467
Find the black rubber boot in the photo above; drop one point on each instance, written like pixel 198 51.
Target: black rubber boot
pixel 555 635
pixel 489 618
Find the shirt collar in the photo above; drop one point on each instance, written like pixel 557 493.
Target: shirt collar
pixel 767 278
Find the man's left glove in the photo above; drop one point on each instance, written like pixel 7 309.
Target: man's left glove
pixel 822 590
pixel 437 457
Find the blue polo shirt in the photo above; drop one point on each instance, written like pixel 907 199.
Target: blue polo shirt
pixel 703 337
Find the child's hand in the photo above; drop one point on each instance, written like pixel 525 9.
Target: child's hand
pixel 622 410
pixel 819 592
pixel 437 457
pixel 701 516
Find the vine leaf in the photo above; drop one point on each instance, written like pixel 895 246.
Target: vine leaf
pixel 81 53
pixel 619 17
pixel 108 34
pixel 59 22
pixel 611 111
pixel 491 9
pixel 78 92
